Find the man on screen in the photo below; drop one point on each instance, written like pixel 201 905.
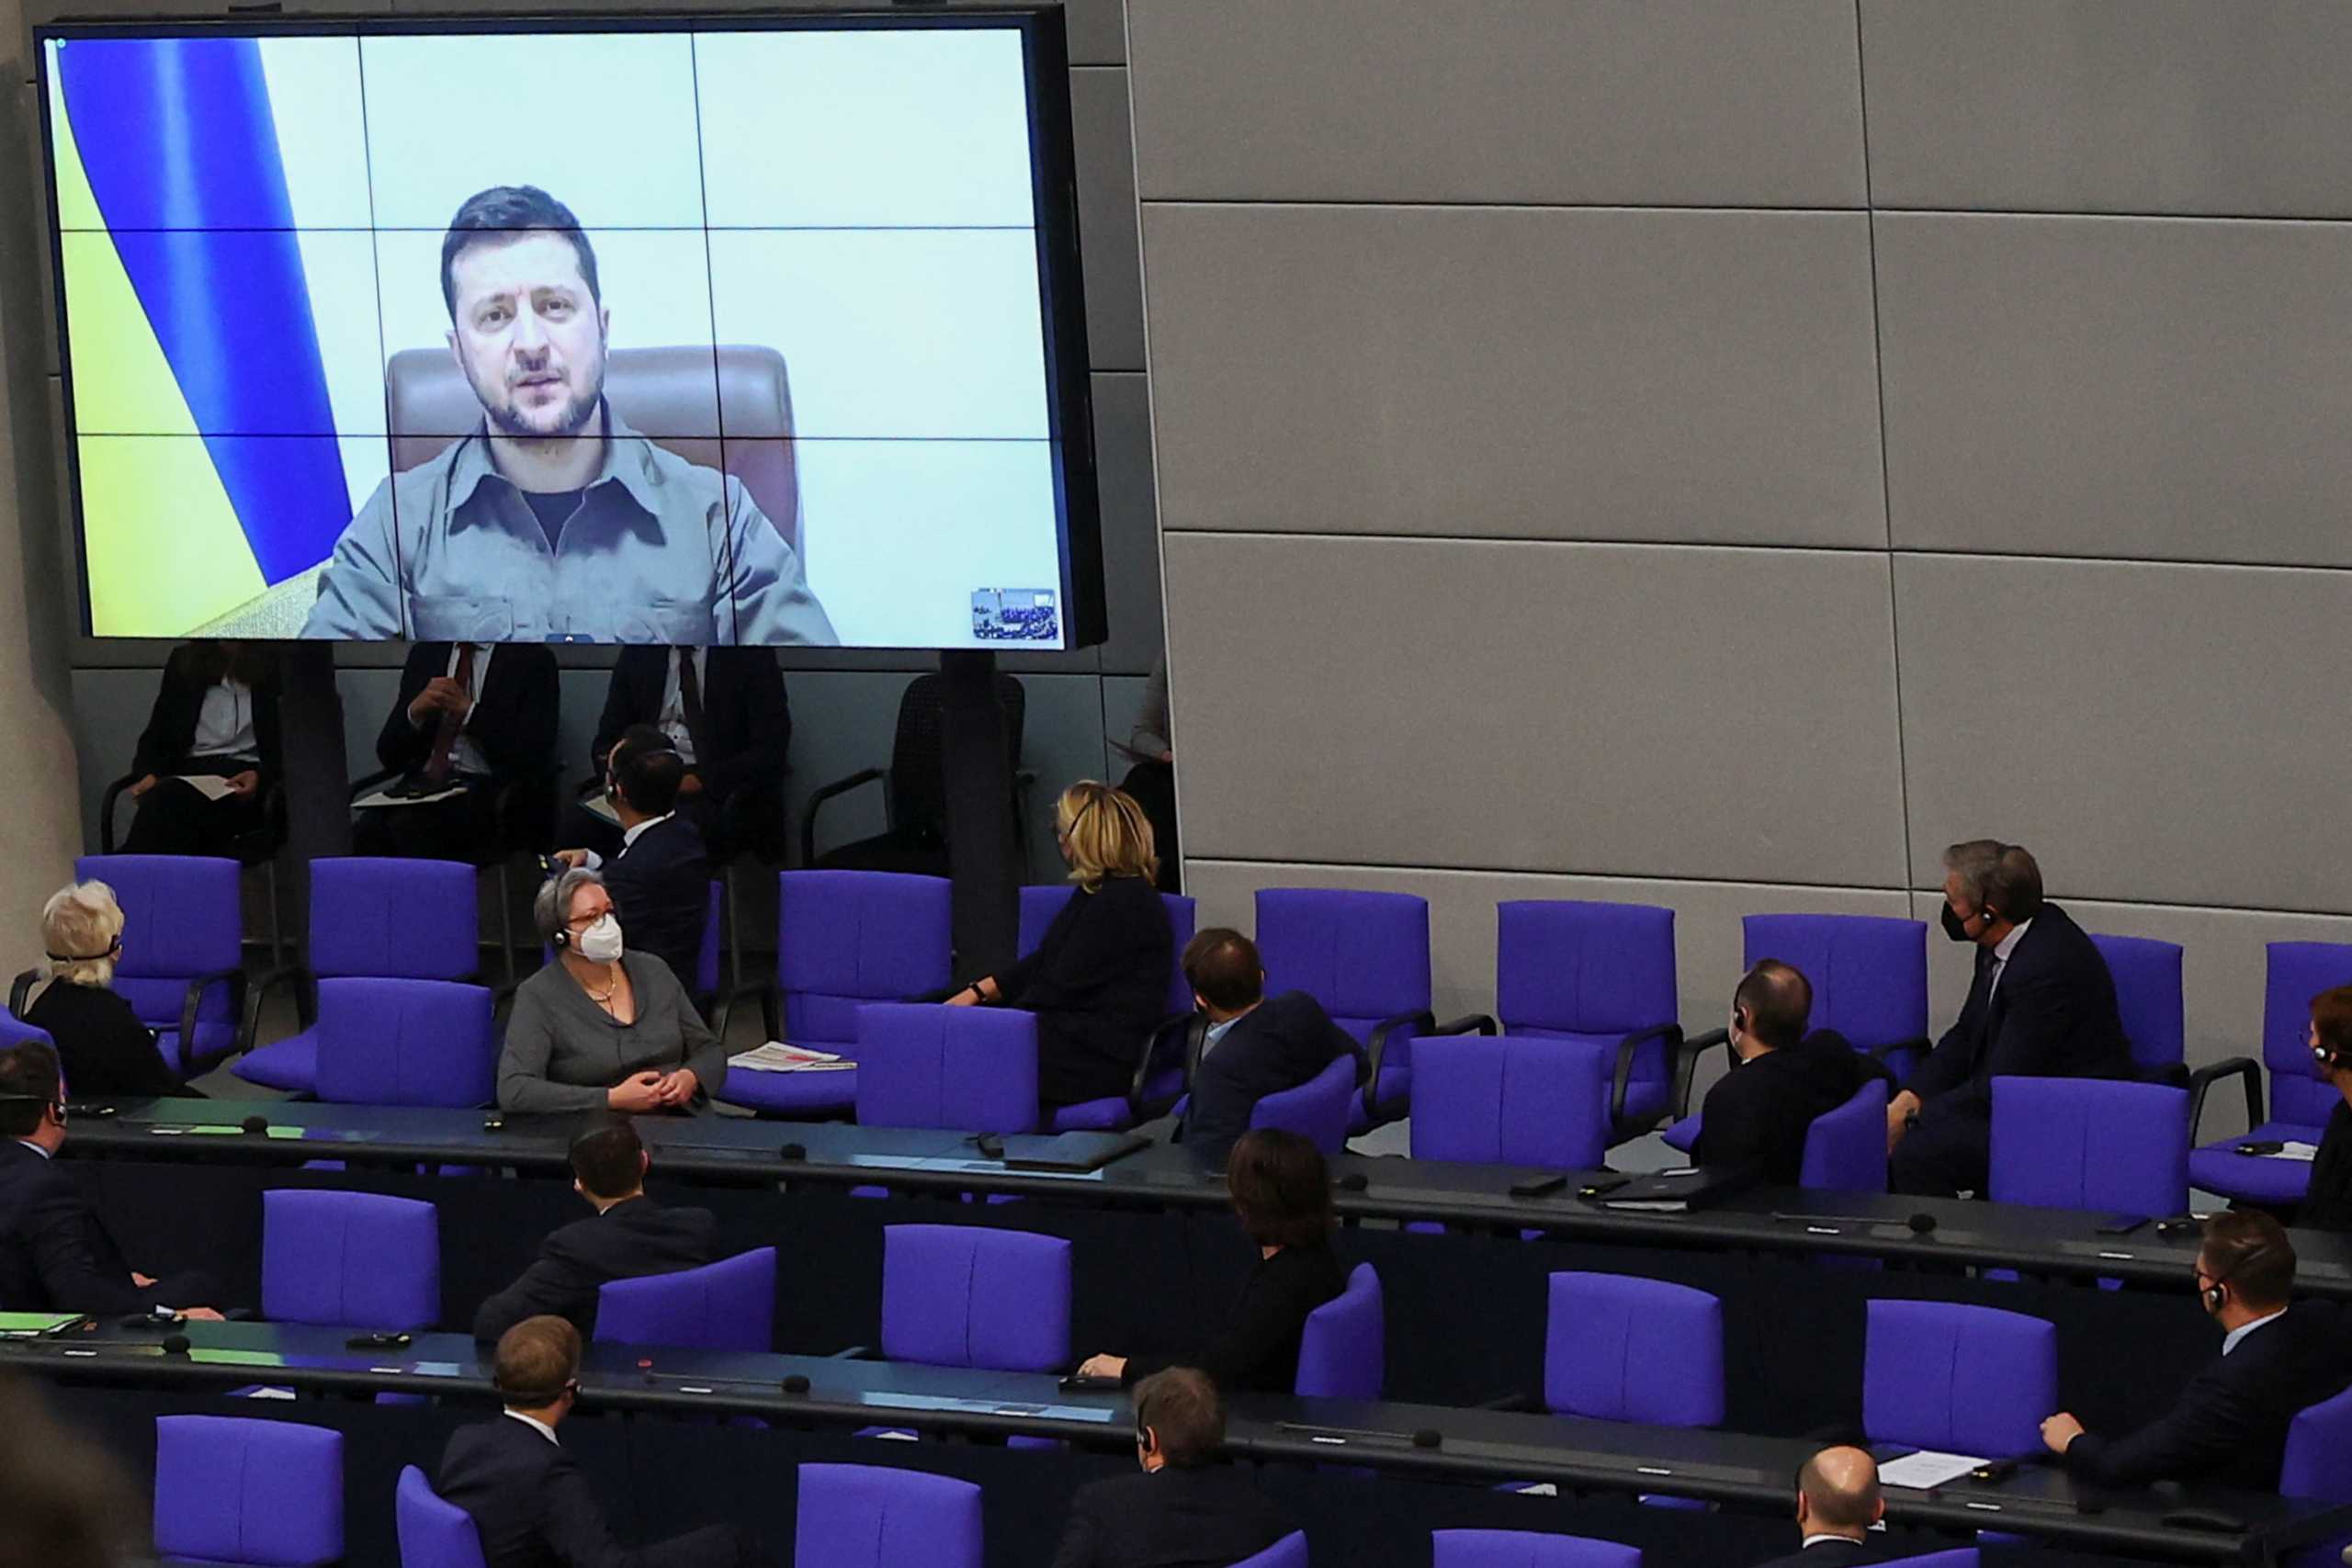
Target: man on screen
pixel 553 519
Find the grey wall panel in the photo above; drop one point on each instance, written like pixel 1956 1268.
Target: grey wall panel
pixel 1106 215
pixel 2157 734
pixel 1512 373
pixel 1130 521
pixel 1671 102
pixel 1122 700
pixel 2109 106
pixel 2144 389
pixel 1555 708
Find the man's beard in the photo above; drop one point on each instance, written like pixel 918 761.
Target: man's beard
pixel 509 421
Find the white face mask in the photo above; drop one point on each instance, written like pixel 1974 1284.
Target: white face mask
pixel 600 943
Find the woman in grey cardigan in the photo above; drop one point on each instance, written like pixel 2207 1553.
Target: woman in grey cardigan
pixel 599 1028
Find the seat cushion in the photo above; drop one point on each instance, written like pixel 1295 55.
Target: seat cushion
pixel 793 1094
pixel 292 1064
pixel 1683 1134
pixel 1112 1114
pixel 2216 1168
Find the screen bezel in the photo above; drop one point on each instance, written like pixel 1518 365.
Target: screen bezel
pixel 1054 190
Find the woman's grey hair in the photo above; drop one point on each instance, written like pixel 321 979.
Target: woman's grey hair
pixel 551 910
pixel 2004 876
pixel 82 922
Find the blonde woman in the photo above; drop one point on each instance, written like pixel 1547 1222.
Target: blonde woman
pixel 1099 979
pixel 102 1047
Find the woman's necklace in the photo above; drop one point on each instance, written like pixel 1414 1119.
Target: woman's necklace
pixel 603 998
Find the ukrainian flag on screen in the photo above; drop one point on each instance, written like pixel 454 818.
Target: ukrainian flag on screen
pixel 206 440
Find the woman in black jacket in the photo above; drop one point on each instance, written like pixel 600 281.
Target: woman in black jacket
pixel 2328 1205
pixel 1282 1193
pixel 1098 981
pixel 102 1047
pixel 215 717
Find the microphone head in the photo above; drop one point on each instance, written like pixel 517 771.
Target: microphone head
pixel 795 1384
pixel 174 1343
pixel 1922 1223
pixel 1428 1437
pixel 256 1124
pixel 1354 1181
pixel 792 1152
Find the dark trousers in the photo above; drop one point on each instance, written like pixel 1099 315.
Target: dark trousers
pixel 173 820
pixel 1152 783
pixel 1943 1157
pixel 464 828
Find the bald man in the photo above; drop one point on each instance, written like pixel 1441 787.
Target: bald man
pixel 1838 1502
pixel 1757 1115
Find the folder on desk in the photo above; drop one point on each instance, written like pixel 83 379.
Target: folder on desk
pixel 1069 1151
pixel 1678 1190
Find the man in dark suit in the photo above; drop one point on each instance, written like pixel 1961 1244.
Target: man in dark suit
pixel 1838 1502
pixel 2229 1426
pixel 629 1237
pixel 1257 1044
pixel 1757 1115
pixel 2042 1005
pixel 473 717
pixel 659 875
pixel 55 1254
pixel 530 1502
pixel 1185 1510
pixel 725 713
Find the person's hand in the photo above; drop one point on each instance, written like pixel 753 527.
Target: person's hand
pixel 140 1281
pixel 575 858
pixel 969 997
pixel 244 784
pixel 1899 1111
pixel 201 1314
pixel 441 694
pixel 679 1087
pixel 2059 1430
pixel 1108 1368
pixel 690 785
pixel 142 787
pixel 638 1091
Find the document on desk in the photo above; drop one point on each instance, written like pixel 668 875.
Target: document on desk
pixel 375 799
pixel 1926 1470
pixel 207 785
pixel 2294 1149
pixel 775 1056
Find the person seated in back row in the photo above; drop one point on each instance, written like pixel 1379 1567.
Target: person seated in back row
pixel 629 1237
pixel 660 877
pixel 215 717
pixel 1757 1115
pixel 104 1048
pixel 1185 1509
pixel 2327 1205
pixel 470 717
pixel 1257 1044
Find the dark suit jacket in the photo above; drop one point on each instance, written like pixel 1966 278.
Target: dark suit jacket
pixel 661 888
pixel 1098 982
pixel 746 717
pixel 2052 1016
pixel 2229 1426
pixel 1840 1553
pixel 513 717
pixel 627 1241
pixel 534 1507
pixel 1258 1352
pixel 55 1254
pixel 164 744
pixel 102 1047
pixel 1204 1517
pixel 1279 1045
pixel 1758 1114
pixel 2328 1205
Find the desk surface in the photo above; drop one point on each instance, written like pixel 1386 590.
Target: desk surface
pixel 2048 1241
pixel 1476 1446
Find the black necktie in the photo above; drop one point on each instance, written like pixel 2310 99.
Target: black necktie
pixel 690 702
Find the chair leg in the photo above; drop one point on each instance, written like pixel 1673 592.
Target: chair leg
pixel 731 928
pixel 276 917
pixel 506 914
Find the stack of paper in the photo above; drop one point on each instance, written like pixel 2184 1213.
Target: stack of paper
pixel 1926 1470
pixel 775 1056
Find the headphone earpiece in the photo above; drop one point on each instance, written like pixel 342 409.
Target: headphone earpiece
pixel 2213 1294
pixel 563 939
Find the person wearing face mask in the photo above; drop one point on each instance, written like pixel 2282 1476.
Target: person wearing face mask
pixel 2229 1426
pixel 602 1027
pixel 105 1051
pixel 2041 1005
pixel 2327 1206
pixel 660 877
pixel 1758 1114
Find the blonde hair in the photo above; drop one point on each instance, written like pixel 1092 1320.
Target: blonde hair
pixel 1107 833
pixel 82 919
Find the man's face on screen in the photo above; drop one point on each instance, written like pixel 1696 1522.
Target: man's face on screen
pixel 529 335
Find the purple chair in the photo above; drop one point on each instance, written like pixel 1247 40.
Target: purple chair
pixel 863 1515
pixel 1619 1348
pixel 928 1065
pixel 968 1296
pixel 1960 1557
pixel 2148 995
pixel 2090 1144
pixel 432 1533
pixel 1844 1149
pixel 2319 1464
pixel 727 1305
pixel 15 1031
pixel 844 939
pixel 1505 1100
pixel 1321 1109
pixel 233 1490
pixel 405 1042
pixel 1526 1549
pixel 370 918
pixel 356 1259
pixel 1343 1354
pixel 1967 1380
pixel 182 968
pixel 1365 957
pixel 1162 1057
pixel 2300 1102
pixel 1288 1552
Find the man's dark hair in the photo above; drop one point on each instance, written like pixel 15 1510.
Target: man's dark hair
pixel 1280 1189
pixel 609 1160
pixel 502 212
pixel 1223 968
pixel 1779 1001
pixel 649 779
pixel 1839 1507
pixel 1182 1407
pixel 2248 1250
pixel 2004 877
pixel 2331 1017
pixel 536 1359
pixel 27 1087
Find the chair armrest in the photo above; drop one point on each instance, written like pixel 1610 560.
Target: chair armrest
pixel 1191 1027
pixel 2244 1069
pixel 857 779
pixel 1686 1065
pixel 21 987
pixel 1522 1401
pixel 257 993
pixel 1627 1049
pixel 1469 1023
pixel 106 811
pixel 1378 1047
pixel 232 979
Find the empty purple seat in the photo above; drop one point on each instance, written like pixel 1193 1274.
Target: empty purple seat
pixel 1601 973
pixel 2319 1465
pixel 2300 1102
pixel 1321 1109
pixel 1365 957
pixel 182 967
pixel 1967 1380
pixel 1844 1149
pixel 1958 1557
pixel 1619 1348
pixel 405 1042
pixel 928 1065
pixel 2090 1144
pixel 1526 1549
pixel 1503 1100
pixel 726 1305
pixel 1160 1055
pixel 234 1490
pixel 358 1260
pixel 2148 998
pixel 1288 1552
pixel 865 1515
pixel 968 1296
pixel 844 939
pixel 432 1533
pixel 1343 1354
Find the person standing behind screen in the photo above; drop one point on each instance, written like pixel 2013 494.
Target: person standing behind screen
pixel 1185 1510
pixel 660 879
pixel 102 1047
pixel 553 518
pixel 1257 1044
pixel 472 715
pixel 1838 1502
pixel 215 717
pixel 2327 1206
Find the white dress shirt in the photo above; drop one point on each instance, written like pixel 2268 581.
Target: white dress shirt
pixel 2230 1340
pixel 44 1153
pixel 2001 952
pixel 224 725
pixel 673 702
pixel 535 1425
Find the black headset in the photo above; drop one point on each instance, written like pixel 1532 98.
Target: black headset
pixel 107 952
pixel 534 1398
